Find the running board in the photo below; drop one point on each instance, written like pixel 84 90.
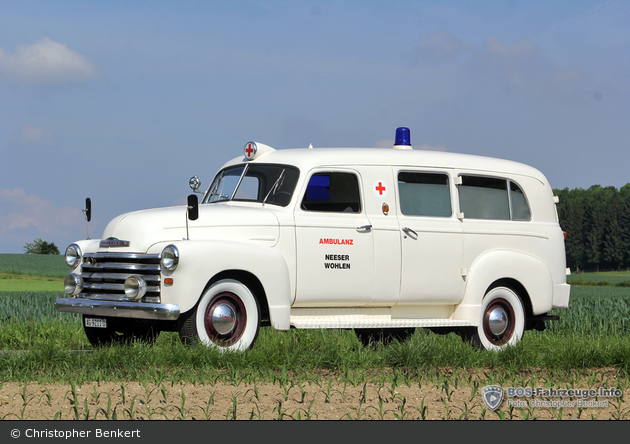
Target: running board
pixel 361 318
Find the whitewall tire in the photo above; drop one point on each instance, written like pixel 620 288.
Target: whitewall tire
pixel 502 322
pixel 227 317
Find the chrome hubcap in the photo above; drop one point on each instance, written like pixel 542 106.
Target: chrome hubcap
pixel 497 321
pixel 223 318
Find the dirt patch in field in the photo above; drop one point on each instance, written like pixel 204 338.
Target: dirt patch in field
pixel 329 399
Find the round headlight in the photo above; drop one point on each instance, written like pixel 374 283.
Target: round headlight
pixel 135 287
pixel 169 259
pixel 73 284
pixel 73 256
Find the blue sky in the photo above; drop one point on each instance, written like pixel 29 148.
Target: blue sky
pixel 123 101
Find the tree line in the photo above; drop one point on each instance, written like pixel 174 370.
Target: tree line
pixel 39 246
pixel 597 223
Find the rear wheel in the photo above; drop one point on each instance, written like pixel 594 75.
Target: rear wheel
pixel 227 316
pixel 502 320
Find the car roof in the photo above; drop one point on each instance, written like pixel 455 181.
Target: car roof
pixel 307 158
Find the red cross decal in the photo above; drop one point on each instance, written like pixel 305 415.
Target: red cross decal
pixel 380 188
pixel 249 150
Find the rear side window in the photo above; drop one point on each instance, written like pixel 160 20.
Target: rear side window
pixel 333 192
pixel 520 208
pixel 484 198
pixel 492 198
pixel 424 194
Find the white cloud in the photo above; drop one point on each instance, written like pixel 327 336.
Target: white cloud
pixel 19 210
pixel 32 135
pixel 384 143
pixel 523 67
pixel 522 48
pixel 519 67
pixel 437 46
pixel 46 62
pixel 427 147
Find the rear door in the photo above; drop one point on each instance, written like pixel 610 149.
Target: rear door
pixel 431 238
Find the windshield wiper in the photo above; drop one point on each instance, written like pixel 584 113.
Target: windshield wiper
pixel 276 185
pixel 240 179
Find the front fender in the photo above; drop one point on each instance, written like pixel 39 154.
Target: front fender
pixel 200 261
pixel 529 271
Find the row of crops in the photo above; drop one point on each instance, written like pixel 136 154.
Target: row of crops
pixel 598 311
pixel 593 333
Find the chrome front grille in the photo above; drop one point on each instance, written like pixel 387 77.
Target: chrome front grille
pixel 104 275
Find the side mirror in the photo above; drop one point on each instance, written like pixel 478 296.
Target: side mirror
pixel 193 207
pixel 88 209
pixel 194 184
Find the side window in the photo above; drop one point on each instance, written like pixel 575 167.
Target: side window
pixel 484 198
pixel 424 194
pixel 491 198
pixel 520 209
pixel 332 192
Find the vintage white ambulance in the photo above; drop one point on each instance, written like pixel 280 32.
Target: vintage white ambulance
pixel 381 241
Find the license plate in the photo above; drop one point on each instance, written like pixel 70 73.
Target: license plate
pixel 96 322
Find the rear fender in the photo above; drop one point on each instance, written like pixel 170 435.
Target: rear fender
pixel 532 273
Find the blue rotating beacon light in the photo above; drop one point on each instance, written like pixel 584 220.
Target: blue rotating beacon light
pixel 403 139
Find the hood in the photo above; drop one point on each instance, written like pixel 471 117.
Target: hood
pixel 216 221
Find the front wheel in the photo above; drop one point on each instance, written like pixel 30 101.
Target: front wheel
pixel 502 322
pixel 227 317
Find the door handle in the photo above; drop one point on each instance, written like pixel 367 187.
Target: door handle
pixel 409 231
pixel 364 227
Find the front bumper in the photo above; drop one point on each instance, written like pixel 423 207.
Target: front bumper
pixel 118 309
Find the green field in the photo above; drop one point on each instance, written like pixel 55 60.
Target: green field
pixel 594 332
pixel 589 344
pixel 43 265
pixel 10 282
pixel 595 279
pixel 32 272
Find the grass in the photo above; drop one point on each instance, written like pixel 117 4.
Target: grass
pixel 20 283
pixel 594 312
pixel 32 272
pixel 321 369
pixel 600 279
pixel 592 333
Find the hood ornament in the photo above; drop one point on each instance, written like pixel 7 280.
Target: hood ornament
pixel 114 242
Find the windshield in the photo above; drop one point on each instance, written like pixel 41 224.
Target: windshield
pixel 273 184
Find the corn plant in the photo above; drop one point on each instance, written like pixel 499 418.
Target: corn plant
pixel 401 414
pixel 74 401
pixel 231 413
